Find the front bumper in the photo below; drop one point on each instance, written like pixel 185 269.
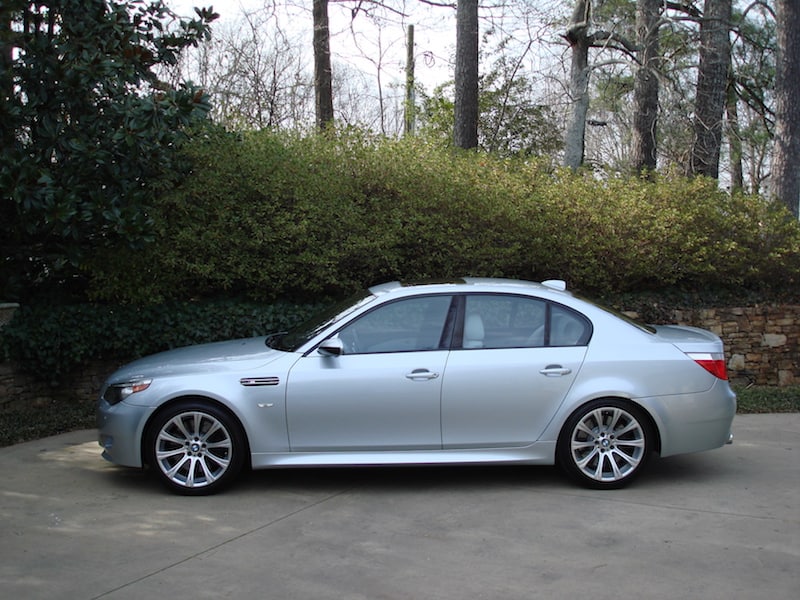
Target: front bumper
pixel 120 429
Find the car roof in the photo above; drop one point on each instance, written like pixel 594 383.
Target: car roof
pixel 493 284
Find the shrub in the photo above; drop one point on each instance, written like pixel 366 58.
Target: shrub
pixel 281 216
pixel 52 341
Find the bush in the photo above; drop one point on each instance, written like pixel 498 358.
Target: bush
pixel 53 341
pixel 280 216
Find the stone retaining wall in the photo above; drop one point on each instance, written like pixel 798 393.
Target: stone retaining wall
pixel 762 344
pixel 17 387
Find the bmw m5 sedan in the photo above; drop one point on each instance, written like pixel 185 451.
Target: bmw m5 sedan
pixel 461 372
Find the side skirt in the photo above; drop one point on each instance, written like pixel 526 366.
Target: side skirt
pixel 539 453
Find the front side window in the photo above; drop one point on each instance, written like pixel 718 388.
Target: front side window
pixel 301 333
pixel 410 324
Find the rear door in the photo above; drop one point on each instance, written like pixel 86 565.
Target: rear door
pixel 518 359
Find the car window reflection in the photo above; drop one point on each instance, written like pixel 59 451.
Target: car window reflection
pixel 508 321
pixel 413 324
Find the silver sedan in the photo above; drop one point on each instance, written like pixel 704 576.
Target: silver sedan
pixel 463 372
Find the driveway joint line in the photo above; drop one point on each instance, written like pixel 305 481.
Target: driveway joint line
pixel 223 543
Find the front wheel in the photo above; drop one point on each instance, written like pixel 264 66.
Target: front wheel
pixel 195 448
pixel 605 444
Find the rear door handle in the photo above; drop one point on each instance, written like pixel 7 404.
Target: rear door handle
pixel 421 374
pixel 555 371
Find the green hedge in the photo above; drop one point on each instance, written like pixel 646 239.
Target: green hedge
pixel 54 341
pixel 281 216
pixel 278 218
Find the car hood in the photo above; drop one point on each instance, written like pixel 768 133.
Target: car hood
pixel 218 356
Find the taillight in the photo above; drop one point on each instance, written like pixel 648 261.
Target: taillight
pixel 713 363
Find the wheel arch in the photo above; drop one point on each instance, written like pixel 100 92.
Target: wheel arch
pixel 147 431
pixel 651 421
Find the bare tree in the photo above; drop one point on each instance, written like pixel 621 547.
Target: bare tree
pixel 465 131
pixel 580 41
pixel 375 51
pixel 254 72
pixel 646 86
pixel 750 101
pixel 786 161
pixel 735 150
pixel 323 74
pixel 712 83
pixel 581 37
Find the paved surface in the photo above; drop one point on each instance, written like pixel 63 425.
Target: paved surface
pixel 722 524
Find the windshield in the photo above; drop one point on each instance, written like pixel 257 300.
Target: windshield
pixel 302 333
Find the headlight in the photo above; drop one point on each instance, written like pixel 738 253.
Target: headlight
pixel 117 392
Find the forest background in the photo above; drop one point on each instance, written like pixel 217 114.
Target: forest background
pixel 168 181
pixel 259 69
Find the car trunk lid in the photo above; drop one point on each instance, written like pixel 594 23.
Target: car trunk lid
pixel 702 346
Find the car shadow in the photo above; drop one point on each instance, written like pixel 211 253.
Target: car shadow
pixel 403 479
pixel 686 469
pixel 661 472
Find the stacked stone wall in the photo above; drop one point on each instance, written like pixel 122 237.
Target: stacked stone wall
pixel 762 343
pixel 19 387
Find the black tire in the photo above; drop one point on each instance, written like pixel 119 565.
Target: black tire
pixel 195 448
pixel 605 444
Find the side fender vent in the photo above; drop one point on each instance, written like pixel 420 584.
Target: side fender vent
pixel 257 381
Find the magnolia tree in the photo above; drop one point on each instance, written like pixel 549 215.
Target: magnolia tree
pixel 89 131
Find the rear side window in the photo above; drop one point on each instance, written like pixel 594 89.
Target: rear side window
pixel 509 321
pixel 567 328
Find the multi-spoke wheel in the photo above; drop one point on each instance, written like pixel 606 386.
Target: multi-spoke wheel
pixel 605 444
pixel 195 448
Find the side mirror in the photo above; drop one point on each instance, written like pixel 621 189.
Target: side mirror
pixel 331 347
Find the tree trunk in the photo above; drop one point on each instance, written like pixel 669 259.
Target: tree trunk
pixel 734 138
pixel 409 116
pixel 465 128
pixel 579 41
pixel 712 83
pixel 786 160
pixel 323 74
pixel 646 87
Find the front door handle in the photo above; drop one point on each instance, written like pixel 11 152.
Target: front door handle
pixel 421 375
pixel 555 371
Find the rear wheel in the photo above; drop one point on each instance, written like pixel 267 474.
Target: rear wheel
pixel 605 444
pixel 195 448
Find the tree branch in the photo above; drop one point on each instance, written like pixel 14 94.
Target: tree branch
pixel 441 4
pixel 601 39
pixel 685 7
pixel 604 36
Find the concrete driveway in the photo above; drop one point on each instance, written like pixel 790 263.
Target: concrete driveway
pixel 722 524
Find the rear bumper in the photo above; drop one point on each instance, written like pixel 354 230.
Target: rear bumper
pixel 694 422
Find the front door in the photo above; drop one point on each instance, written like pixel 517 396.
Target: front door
pixel 383 392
